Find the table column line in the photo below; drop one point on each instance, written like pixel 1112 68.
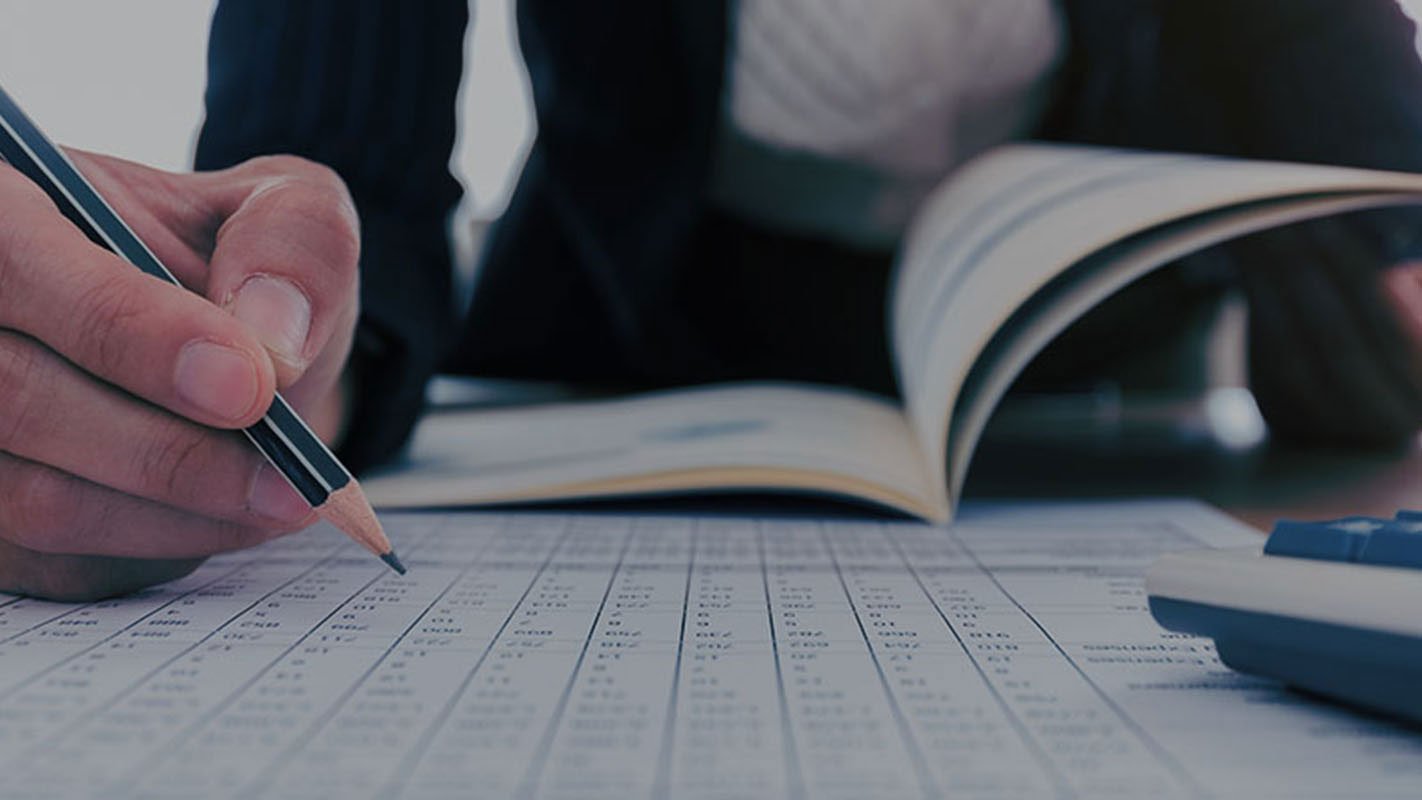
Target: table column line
pixel 925 779
pixel 126 691
pixel 162 753
pixel 412 761
pixel 167 662
pixel 1175 767
pixel 661 784
pixel 792 756
pixel 1012 718
pixel 62 614
pixel 275 767
pixel 19 687
pixel 237 692
pixel 529 784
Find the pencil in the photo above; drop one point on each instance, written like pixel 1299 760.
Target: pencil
pixel 282 436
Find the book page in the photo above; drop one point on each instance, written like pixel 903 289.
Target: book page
pixel 1013 220
pixel 748 436
pixel 1042 318
pixel 665 656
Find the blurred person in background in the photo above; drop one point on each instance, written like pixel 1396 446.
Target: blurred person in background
pixel 716 188
pixel 715 192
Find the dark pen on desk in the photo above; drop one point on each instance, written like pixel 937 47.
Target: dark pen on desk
pixel 281 435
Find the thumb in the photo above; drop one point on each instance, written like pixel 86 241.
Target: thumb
pixel 275 241
pixel 284 259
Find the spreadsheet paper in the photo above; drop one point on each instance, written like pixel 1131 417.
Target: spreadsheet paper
pixel 597 655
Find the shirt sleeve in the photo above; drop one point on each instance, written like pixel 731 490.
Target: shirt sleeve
pixel 367 87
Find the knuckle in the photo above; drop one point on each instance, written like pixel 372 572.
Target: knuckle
pixel 302 169
pixel 288 170
pixel 20 243
pixel 278 164
pixel 20 376
pixel 43 510
pixel 170 460
pixel 330 214
pixel 105 315
pixel 316 194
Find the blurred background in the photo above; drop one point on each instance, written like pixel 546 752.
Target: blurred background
pixel 126 78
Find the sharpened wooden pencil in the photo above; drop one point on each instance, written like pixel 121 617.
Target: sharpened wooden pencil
pixel 282 436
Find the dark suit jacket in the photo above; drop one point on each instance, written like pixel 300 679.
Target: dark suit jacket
pixel 592 271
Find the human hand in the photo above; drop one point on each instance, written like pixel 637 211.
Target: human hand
pixel 120 394
pixel 1335 343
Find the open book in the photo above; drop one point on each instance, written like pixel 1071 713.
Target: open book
pixel 1004 256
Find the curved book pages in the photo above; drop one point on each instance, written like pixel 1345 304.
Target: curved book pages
pixel 1003 257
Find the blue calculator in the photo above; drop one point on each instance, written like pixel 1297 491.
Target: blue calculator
pixel 1331 607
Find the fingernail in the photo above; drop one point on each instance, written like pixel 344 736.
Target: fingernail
pixel 272 497
pixel 278 313
pixel 216 379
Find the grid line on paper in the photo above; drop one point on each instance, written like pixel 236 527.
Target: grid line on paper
pixel 925 779
pixel 118 696
pixel 540 755
pixel 58 616
pixel 289 754
pixel 219 708
pixel 67 659
pixel 792 756
pixel 10 600
pixel 661 784
pixel 1013 719
pixel 124 692
pixel 336 553
pixel 412 761
pixel 1176 768
pixel 160 754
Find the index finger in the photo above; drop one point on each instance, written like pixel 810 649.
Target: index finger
pixel 151 338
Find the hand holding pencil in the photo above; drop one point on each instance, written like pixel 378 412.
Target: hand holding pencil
pixel 121 395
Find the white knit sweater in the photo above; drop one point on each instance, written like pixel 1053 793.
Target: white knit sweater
pixel 842 114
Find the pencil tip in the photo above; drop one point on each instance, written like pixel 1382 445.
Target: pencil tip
pixel 393 561
pixel 348 510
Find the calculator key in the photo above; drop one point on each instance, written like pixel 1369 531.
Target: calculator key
pixel 1397 544
pixel 1336 540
